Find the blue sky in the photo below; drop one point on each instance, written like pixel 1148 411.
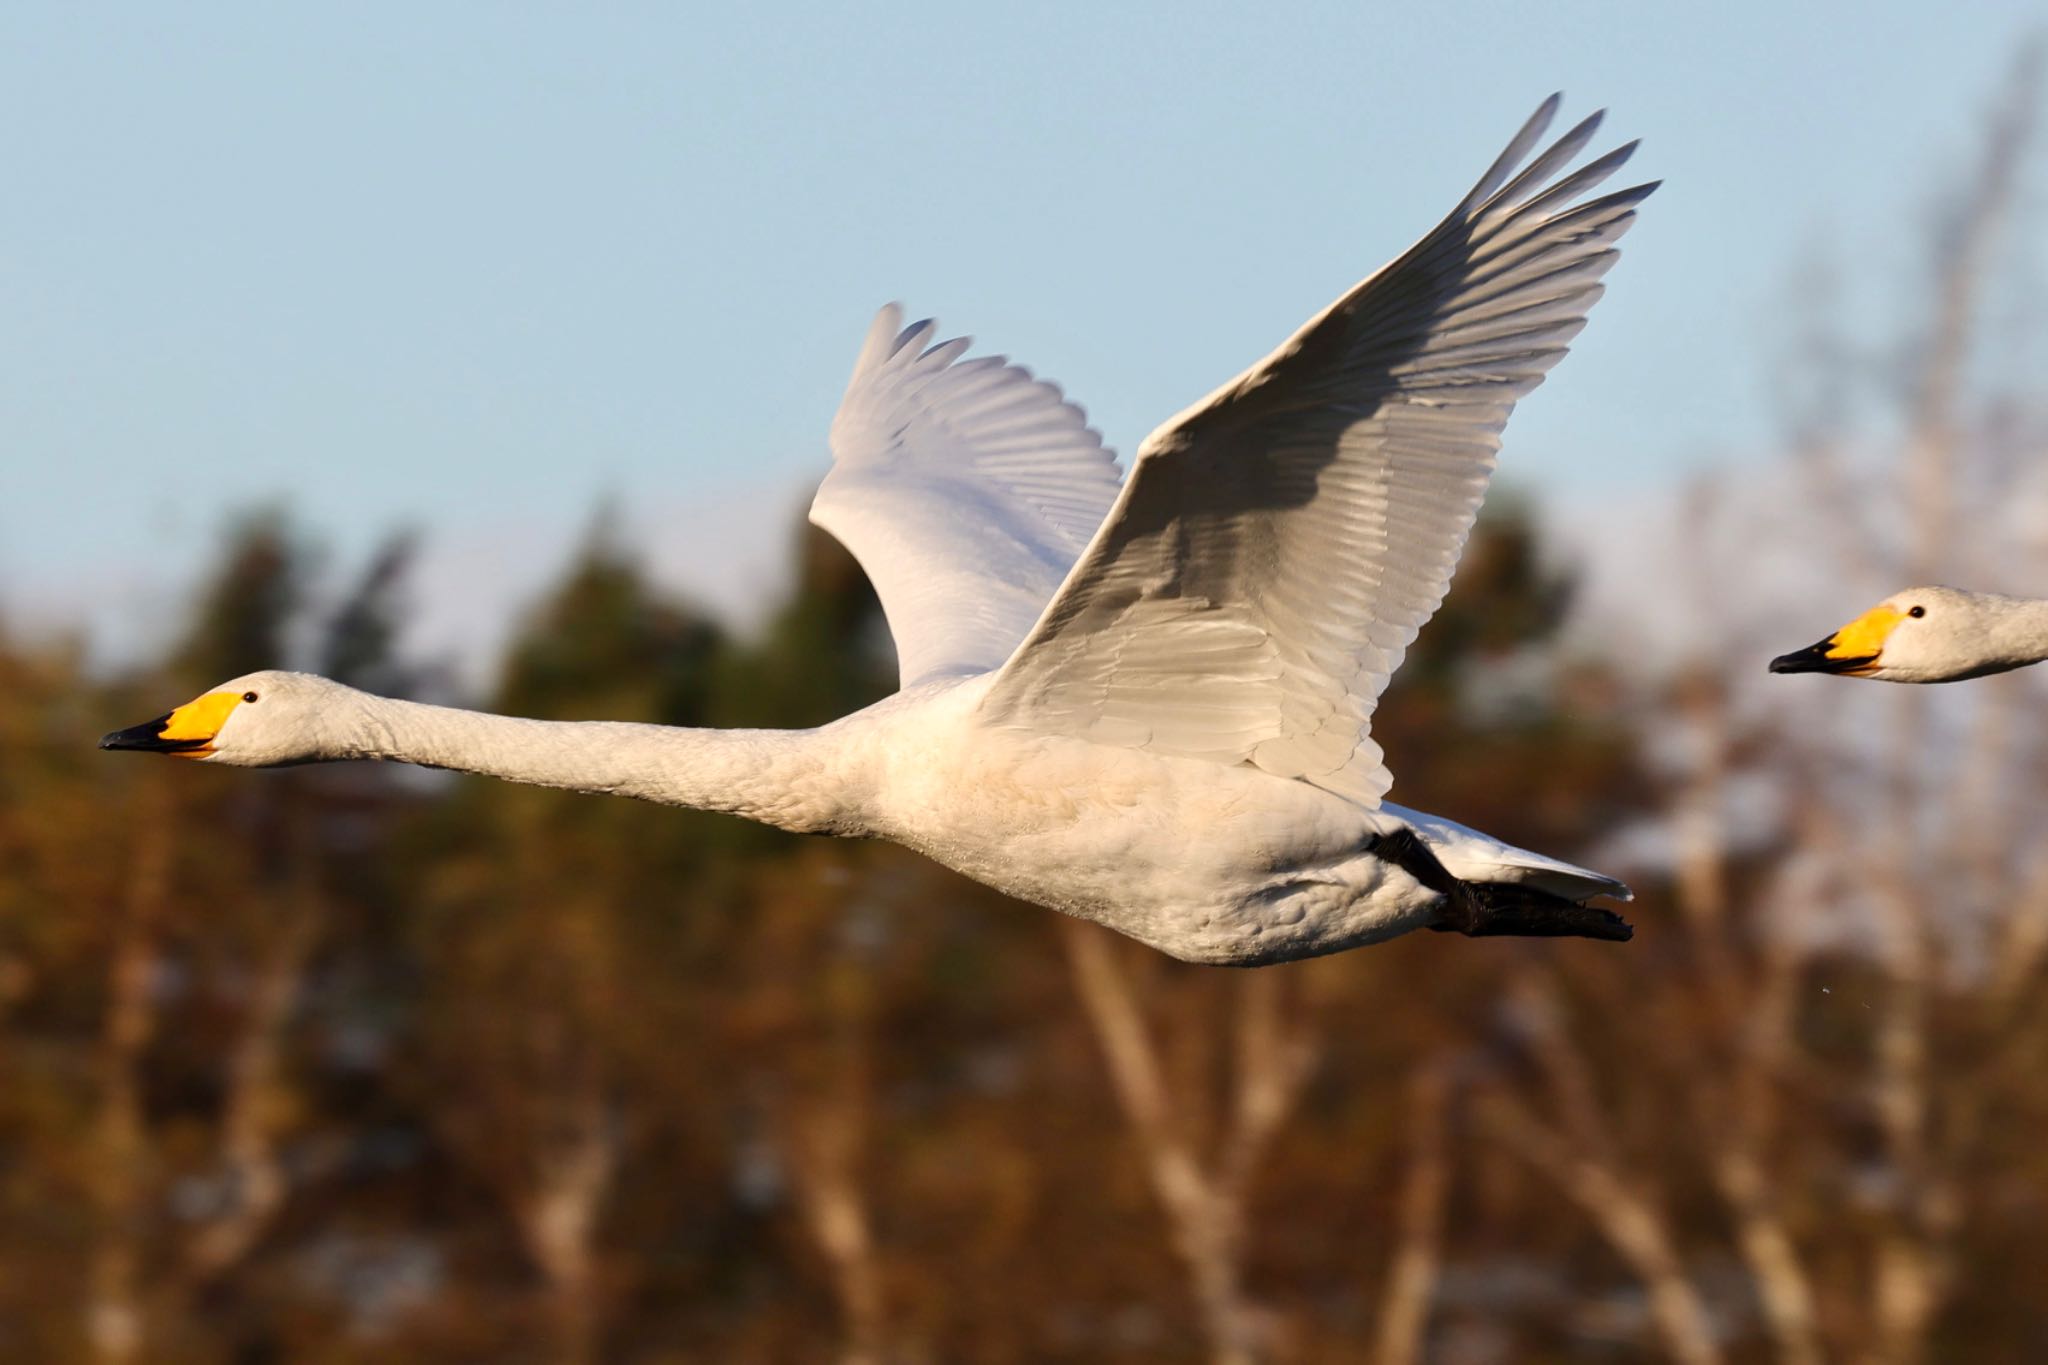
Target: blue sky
pixel 471 267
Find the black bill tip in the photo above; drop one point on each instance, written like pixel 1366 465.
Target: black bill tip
pixel 1816 659
pixel 148 737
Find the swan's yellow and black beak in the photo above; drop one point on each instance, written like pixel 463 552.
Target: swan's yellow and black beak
pixel 1825 657
pixel 188 731
pixel 1852 651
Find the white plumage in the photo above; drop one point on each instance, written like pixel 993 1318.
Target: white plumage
pixel 966 489
pixel 1144 702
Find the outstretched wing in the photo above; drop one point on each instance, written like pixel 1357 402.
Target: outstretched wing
pixel 965 488
pixel 1278 546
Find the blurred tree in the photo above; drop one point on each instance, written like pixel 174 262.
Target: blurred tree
pixel 212 894
pixel 360 645
pixel 825 654
pixel 571 949
pixel 605 645
pixel 66 893
pixel 244 614
pixel 818 928
pixel 214 917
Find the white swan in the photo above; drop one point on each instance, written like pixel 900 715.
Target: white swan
pixel 1930 635
pixel 1146 704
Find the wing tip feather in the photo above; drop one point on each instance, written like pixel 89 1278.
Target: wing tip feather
pixel 875 346
pixel 1530 133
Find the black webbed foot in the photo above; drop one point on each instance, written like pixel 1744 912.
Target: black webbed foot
pixel 1488 909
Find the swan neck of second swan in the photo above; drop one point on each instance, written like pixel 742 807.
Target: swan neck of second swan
pixel 2026 631
pixel 787 778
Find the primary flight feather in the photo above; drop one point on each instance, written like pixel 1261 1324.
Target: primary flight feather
pixel 1143 701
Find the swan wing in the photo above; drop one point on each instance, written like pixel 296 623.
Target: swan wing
pixel 965 488
pixel 1278 545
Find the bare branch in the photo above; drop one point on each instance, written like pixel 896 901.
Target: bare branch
pixel 557 1212
pixel 1205 1209
pixel 1411 1278
pixel 1626 1214
pixel 114 1311
pixel 252 1174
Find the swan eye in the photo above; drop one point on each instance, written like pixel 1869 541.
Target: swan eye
pixel 251 696
pixel 1915 612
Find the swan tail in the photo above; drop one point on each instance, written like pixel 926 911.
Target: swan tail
pixel 1475 857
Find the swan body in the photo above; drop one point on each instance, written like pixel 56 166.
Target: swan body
pixel 1930 635
pixel 1142 701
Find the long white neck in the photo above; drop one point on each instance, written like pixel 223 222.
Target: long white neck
pixel 795 779
pixel 2022 629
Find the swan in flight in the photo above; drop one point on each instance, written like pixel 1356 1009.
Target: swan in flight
pixel 1930 635
pixel 1145 701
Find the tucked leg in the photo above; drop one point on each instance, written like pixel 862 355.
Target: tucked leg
pixel 1485 909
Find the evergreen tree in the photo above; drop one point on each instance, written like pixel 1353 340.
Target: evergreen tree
pixel 359 645
pixel 572 950
pixel 246 607
pixel 825 654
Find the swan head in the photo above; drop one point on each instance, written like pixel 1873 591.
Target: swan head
pixel 1922 635
pixel 259 720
